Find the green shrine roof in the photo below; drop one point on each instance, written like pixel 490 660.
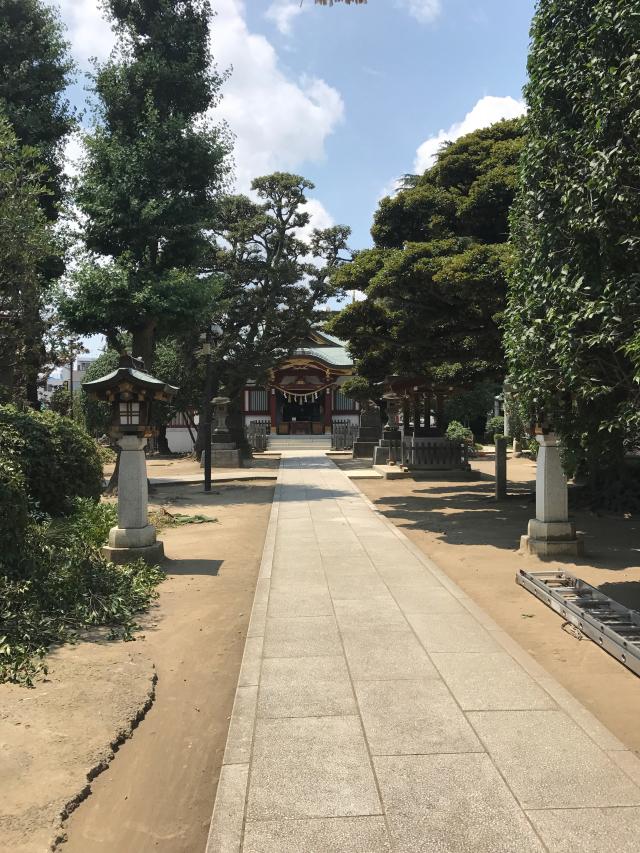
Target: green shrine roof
pixel 326 348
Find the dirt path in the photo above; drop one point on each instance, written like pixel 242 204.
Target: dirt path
pixel 158 792
pixel 474 540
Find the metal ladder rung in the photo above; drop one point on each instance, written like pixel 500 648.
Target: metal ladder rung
pixel 612 626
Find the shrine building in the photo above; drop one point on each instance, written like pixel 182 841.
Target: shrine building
pixel 302 394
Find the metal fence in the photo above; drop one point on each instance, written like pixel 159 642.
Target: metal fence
pixel 258 433
pixel 343 435
pixel 434 453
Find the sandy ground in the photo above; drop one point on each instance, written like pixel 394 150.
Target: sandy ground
pixel 158 792
pixel 475 541
pixel 185 468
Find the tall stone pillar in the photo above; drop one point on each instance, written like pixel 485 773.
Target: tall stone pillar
pixel 328 410
pixel 550 533
pixel 273 409
pixel 134 537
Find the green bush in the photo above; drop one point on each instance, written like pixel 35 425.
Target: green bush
pixel 13 510
pixel 66 586
pixel 457 432
pixel 58 460
pixel 495 426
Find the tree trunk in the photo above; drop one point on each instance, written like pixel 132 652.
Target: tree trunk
pixel 144 344
pixel 235 422
pixel 112 485
pixel 162 441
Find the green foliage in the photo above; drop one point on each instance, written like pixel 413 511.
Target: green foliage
pixel 57 459
pixel 13 509
pixel 270 291
pixel 97 414
pixel 472 405
pixel 572 322
pixel 150 180
pixel 435 283
pixel 106 454
pixel 359 388
pixel 35 73
pixel 457 432
pixel 25 244
pixel 60 401
pixel 495 426
pixel 64 586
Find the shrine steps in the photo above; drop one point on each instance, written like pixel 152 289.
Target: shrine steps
pixel 321 443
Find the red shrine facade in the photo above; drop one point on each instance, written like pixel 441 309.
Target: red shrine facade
pixel 302 394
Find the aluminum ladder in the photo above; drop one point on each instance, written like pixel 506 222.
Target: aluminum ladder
pixel 612 626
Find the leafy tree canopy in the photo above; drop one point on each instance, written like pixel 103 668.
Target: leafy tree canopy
pixel 151 177
pixel 574 303
pixel 274 277
pixel 35 70
pixel 26 242
pixel 435 282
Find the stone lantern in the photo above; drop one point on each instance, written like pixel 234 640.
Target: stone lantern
pixel 131 391
pixel 550 533
pixel 386 451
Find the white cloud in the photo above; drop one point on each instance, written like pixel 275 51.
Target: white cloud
pixel 319 217
pixel 424 11
pixel 284 12
pixel 72 154
pixel 279 122
pixel 89 33
pixel 486 112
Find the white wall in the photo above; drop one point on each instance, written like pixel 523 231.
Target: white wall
pixel 179 440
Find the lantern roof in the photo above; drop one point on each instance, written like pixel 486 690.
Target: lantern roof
pixel 131 370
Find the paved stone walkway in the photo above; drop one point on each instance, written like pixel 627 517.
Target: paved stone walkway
pixel 378 709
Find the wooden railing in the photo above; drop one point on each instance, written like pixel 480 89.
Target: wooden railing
pixel 434 454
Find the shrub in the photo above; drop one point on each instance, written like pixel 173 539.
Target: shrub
pixel 457 432
pixel 60 401
pixel 13 511
pixel 66 586
pixel 58 460
pixel 495 426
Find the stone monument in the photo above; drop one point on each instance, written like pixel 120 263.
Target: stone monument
pixel 550 533
pixel 388 447
pixel 224 451
pixel 369 431
pixel 131 390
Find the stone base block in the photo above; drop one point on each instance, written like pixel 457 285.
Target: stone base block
pixel 364 449
pixel 223 457
pixel 462 474
pixel 553 531
pixel 132 537
pixel 151 554
pixel 553 548
pixel 381 455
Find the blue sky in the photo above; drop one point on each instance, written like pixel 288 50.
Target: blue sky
pixel 401 81
pixel 351 97
pixel 346 95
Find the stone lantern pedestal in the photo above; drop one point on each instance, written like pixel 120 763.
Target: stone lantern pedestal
pixel 134 537
pixel 550 533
